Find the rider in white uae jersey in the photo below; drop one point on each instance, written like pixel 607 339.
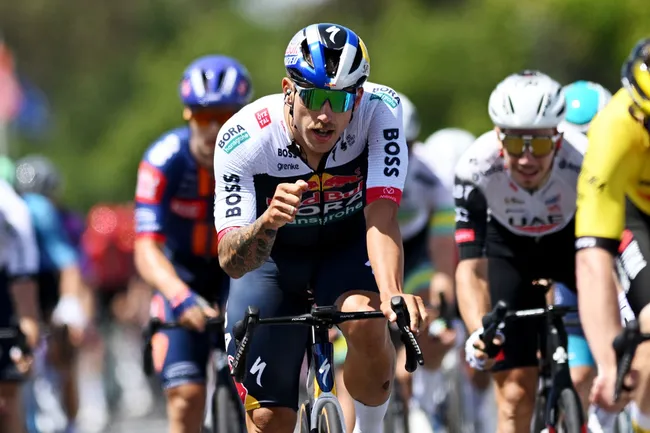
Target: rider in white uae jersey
pixel 541 212
pixel 515 193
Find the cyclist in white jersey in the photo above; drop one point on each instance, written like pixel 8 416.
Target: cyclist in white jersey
pixel 515 206
pixel 18 299
pixel 308 184
pixel 442 150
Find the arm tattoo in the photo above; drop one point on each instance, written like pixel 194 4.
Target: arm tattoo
pixel 246 248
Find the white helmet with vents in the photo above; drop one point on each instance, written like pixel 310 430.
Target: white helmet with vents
pixel 527 100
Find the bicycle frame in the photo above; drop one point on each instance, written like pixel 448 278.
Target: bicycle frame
pixel 321 385
pixel 557 341
pixel 555 357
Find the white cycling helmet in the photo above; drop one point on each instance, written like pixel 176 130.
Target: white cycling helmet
pixel 410 118
pixel 527 100
pixel 442 150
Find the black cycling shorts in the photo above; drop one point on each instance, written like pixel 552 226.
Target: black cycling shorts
pixel 633 258
pixel 287 284
pixel 514 262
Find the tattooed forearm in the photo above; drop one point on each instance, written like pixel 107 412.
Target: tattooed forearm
pixel 246 248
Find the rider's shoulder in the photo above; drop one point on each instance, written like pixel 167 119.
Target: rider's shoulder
pixel 483 156
pixel 574 143
pixel 254 124
pixel 376 94
pixel 169 147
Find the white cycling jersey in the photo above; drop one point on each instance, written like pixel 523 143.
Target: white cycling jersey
pixel 441 152
pixel 423 195
pixel 544 211
pixel 18 248
pixel 255 153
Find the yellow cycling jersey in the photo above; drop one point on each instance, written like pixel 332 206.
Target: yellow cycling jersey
pixel 616 165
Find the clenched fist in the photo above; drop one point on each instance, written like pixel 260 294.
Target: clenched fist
pixel 285 203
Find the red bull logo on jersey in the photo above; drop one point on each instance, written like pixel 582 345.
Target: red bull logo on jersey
pixel 330 198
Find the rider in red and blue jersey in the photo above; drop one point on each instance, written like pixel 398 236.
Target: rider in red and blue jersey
pixel 176 243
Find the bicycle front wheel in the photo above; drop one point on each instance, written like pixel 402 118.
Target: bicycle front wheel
pixel 571 415
pixel 305 417
pixel 227 413
pixel 330 419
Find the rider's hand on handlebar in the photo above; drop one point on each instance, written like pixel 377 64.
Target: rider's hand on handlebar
pixel 192 311
pixel 417 312
pixel 602 390
pixel 474 354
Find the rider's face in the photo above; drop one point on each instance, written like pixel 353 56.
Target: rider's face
pixel 528 170
pixel 204 127
pixel 316 130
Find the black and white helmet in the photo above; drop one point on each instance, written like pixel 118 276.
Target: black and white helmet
pixel 527 100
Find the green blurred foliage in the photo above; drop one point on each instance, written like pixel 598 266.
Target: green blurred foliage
pixel 112 69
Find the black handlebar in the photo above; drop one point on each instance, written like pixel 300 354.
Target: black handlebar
pixel 322 317
pixel 20 340
pixel 500 314
pixel 491 322
pixel 155 324
pixel 625 345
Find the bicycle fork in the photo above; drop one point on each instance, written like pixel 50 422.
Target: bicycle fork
pixel 557 343
pixel 321 385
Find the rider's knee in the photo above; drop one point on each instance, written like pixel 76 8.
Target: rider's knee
pixel 271 420
pixel 517 398
pixel 368 336
pixel 186 400
pixel 10 396
pixel 582 376
pixel 365 336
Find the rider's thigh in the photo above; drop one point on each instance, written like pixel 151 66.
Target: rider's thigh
pixel 270 420
pixel 277 288
pixel 345 279
pixel 180 355
pixel 509 284
pixel 515 392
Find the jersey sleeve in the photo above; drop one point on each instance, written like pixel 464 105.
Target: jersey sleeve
pixel 236 160
pixel 158 176
pixel 471 218
pixel 53 239
pixel 611 160
pixel 387 152
pixel 24 259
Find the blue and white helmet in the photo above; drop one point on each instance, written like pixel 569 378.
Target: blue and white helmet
pixel 584 99
pixel 327 56
pixel 215 81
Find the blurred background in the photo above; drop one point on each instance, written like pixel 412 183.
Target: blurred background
pixel 92 84
pixel 98 80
